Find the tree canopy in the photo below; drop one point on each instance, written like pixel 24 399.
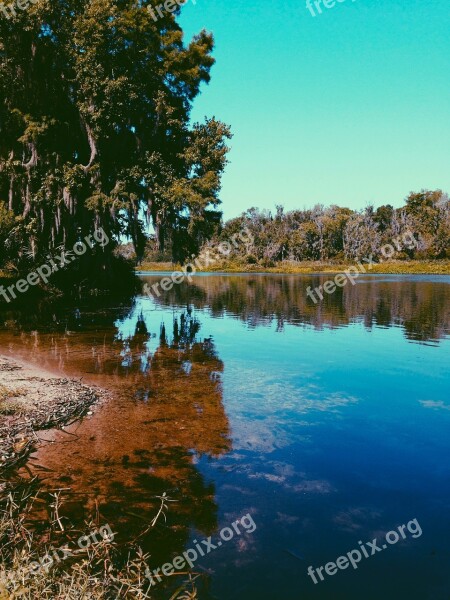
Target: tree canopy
pixel 95 130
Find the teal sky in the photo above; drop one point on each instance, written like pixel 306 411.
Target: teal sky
pixel 349 107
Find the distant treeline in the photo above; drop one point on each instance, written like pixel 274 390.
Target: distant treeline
pixel 331 234
pixel 335 233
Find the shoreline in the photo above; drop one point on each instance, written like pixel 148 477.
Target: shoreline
pixel 33 399
pixel 413 267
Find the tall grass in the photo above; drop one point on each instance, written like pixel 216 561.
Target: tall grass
pixel 94 573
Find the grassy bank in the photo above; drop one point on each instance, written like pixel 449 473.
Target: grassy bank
pixel 417 267
pixel 55 562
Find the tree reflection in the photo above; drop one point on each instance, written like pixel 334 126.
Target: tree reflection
pixel 167 412
pixel 419 306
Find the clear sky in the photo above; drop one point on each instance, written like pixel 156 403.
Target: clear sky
pixel 349 107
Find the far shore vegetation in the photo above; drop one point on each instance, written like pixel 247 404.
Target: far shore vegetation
pixel 412 239
pixel 399 267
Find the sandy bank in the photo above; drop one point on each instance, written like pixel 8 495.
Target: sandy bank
pixel 32 399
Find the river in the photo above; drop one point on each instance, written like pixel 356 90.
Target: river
pixel 234 395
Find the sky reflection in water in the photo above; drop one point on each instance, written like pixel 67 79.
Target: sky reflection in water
pixel 328 423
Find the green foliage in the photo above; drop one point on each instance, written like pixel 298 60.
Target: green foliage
pixel 340 234
pixel 95 102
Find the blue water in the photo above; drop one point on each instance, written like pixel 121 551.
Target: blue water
pixel 329 424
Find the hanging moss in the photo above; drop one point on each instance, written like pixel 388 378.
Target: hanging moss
pixel 95 102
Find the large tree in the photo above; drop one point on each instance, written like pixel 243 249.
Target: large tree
pixel 95 102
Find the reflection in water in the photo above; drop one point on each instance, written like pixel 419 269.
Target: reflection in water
pixel 420 305
pixel 235 394
pixel 167 413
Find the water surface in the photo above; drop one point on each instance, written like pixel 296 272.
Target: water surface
pixel 235 394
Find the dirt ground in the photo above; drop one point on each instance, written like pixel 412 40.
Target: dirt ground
pixel 32 399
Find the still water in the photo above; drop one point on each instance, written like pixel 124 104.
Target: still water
pixel 235 394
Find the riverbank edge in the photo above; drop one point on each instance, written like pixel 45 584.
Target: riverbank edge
pixel 33 399
pixel 413 267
